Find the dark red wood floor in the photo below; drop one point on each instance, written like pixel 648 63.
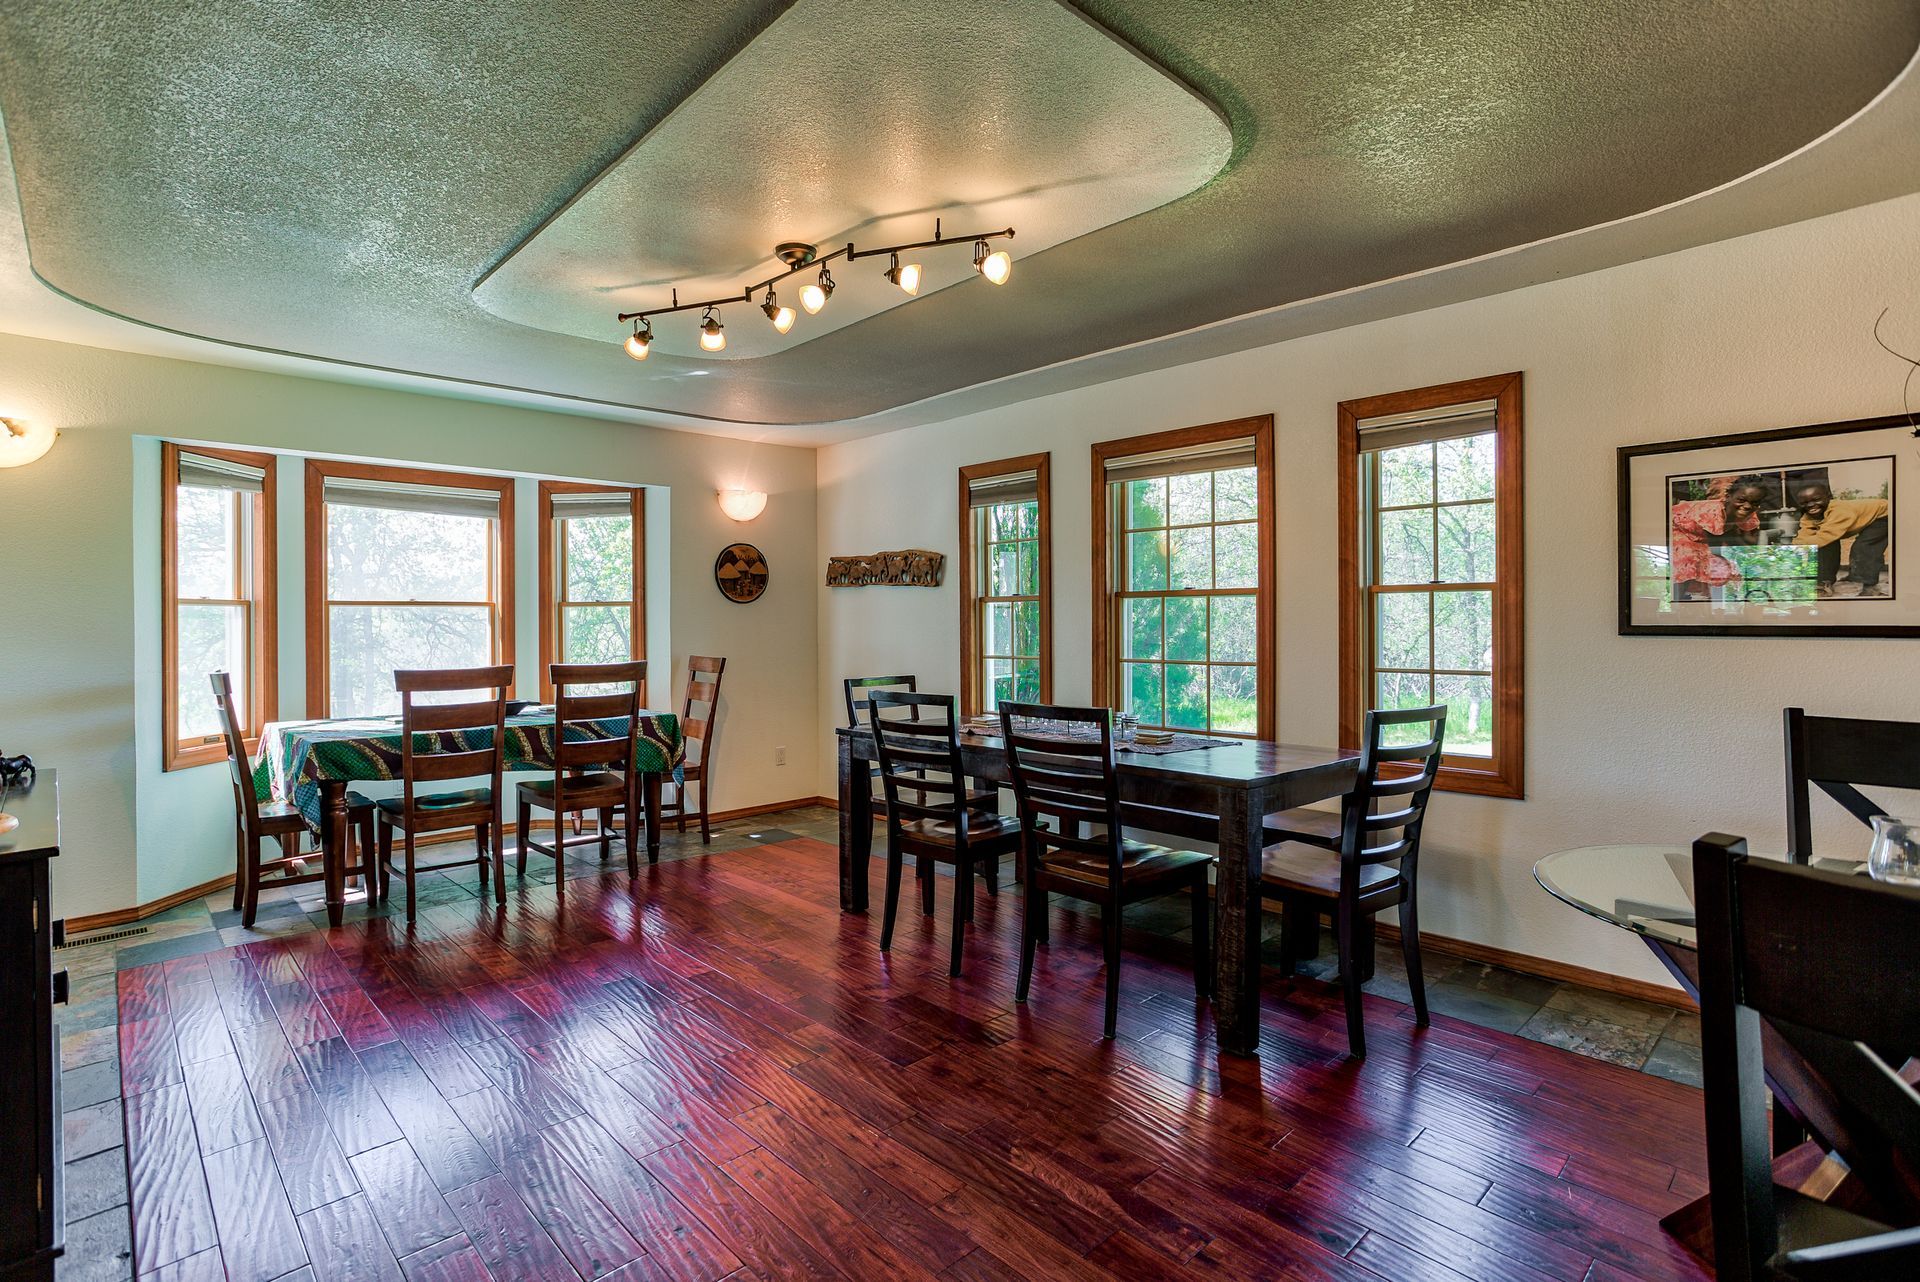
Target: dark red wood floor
pixel 712 1073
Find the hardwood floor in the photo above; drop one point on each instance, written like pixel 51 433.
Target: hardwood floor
pixel 712 1073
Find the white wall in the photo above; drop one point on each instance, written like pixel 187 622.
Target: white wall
pixel 1628 739
pixel 79 561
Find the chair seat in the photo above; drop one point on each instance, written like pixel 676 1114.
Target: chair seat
pixel 460 800
pixel 1315 827
pixel 578 786
pixel 981 826
pixel 1295 867
pixel 1139 861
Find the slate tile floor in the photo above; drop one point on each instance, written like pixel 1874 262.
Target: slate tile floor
pixel 1655 1039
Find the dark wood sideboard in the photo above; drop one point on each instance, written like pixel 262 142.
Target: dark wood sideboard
pixel 31 1232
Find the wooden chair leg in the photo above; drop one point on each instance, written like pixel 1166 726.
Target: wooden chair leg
pixel 1349 932
pixel 498 828
pixel 383 853
pixel 706 825
pixel 406 850
pixel 239 866
pixel 1410 952
pixel 893 895
pixel 680 805
pixel 1032 913
pixel 604 821
pixel 633 827
pixel 990 873
pixel 1110 925
pixel 522 828
pixel 962 909
pixel 1299 932
pixel 1042 914
pixel 929 871
pixel 1202 940
pixel 370 862
pixel 250 874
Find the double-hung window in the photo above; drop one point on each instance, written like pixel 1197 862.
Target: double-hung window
pixel 592 575
pixel 406 569
pixel 1183 568
pixel 1430 523
pixel 1006 589
pixel 217 558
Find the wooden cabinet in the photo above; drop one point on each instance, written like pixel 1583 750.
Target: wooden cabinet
pixel 30 1212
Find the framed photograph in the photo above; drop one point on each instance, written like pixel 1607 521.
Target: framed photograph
pixel 1790 532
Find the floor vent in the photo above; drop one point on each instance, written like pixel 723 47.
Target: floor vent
pixel 102 937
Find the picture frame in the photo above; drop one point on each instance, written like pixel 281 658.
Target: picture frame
pixel 1784 532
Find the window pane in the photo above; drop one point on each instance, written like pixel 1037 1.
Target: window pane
pixel 1192 561
pixel 1142 681
pixel 1003 569
pixel 1190 499
pixel 1026 628
pixel 1400 630
pixel 1029 568
pixel 213 638
pixel 1466 543
pixel 1147 562
pixel 1015 520
pixel 1142 628
pixel 1234 636
pixel 1469 703
pixel 377 555
pixel 999 682
pixel 1402 690
pixel 1026 680
pixel 1186 627
pixel 1236 495
pixel 366 643
pixel 999 629
pixel 1466 468
pixel 1234 705
pixel 1406 551
pixel 207 543
pixel 1406 475
pixel 1463 630
pixel 596 634
pixel 1146 503
pixel 1187 696
pixel 1236 556
pixel 599 558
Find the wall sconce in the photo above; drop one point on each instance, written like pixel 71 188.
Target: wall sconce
pixel 22 443
pixel 743 505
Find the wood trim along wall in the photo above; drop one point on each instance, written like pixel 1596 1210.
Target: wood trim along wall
pixel 1504 775
pixel 318 470
pixel 1105 626
pixel 263 686
pixel 1544 968
pixel 972 696
pixel 549 588
pixel 121 916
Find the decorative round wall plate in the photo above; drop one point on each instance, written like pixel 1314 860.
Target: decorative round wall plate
pixel 740 572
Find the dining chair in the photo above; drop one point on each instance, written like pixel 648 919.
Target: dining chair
pixel 1375 863
pixel 255 821
pixel 1825 959
pixel 699 726
pixel 468 741
pixel 1836 755
pixel 592 764
pixel 1067 800
pixel 931 812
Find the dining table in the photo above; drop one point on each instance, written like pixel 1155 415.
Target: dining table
pixel 1198 787
pixel 312 763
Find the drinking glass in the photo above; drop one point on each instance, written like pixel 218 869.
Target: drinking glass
pixel 1895 856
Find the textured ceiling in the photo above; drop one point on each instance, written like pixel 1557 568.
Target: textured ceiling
pixel 333 183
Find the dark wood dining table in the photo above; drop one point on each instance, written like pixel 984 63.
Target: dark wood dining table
pixel 1221 794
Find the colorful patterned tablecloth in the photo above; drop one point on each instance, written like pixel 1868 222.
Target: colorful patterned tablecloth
pixel 295 756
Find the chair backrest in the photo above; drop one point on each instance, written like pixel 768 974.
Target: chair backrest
pixel 700 710
pixel 1073 784
pixel 475 730
pixel 1831 963
pixel 920 767
pixel 245 804
pixel 1400 773
pixel 581 737
pixel 1837 753
pixel 859 690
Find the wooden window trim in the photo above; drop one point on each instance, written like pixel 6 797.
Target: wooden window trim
pixel 1504 774
pixel 263 689
pixel 550 569
pixel 1106 670
pixel 972 689
pixel 501 555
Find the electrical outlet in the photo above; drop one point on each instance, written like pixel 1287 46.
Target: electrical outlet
pixel 780 756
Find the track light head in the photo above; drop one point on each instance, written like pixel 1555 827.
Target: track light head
pixel 814 297
pixel 907 277
pixel 995 266
pixel 640 342
pixel 713 337
pixel 782 317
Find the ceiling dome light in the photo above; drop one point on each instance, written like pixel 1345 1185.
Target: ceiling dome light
pixel 907 278
pixel 713 336
pixel 814 297
pixel 996 266
pixel 640 341
pixel 782 317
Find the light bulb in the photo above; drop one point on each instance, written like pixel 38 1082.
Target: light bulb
pixel 996 266
pixel 907 277
pixel 640 342
pixel 713 337
pixel 782 317
pixel 814 297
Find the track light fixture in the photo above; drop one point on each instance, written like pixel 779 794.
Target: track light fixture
pixel 713 336
pixel 995 265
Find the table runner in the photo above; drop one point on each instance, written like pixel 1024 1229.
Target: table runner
pixel 1081 732
pixel 295 756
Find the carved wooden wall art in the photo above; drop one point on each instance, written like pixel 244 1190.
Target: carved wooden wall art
pixel 908 568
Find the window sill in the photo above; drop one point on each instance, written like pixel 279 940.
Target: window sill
pixel 202 754
pixel 1480 783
